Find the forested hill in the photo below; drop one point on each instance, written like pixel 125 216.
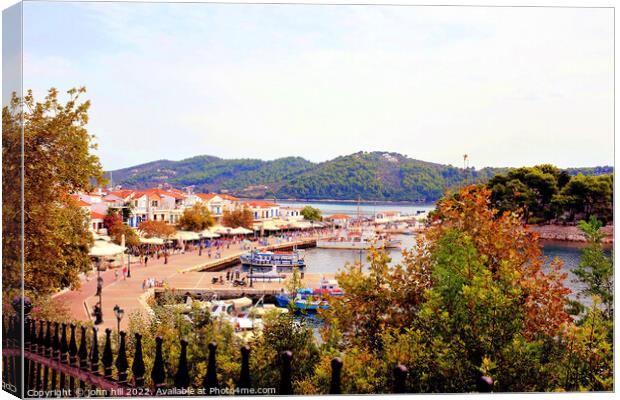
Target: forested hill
pixel 366 175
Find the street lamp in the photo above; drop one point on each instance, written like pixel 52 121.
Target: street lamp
pixel 128 263
pixel 98 310
pixel 119 315
pixel 200 244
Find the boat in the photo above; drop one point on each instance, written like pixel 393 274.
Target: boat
pixel 281 259
pixel 309 299
pixel 267 275
pixel 358 241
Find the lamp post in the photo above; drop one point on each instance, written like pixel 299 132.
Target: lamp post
pixel 200 244
pixel 98 310
pixel 119 315
pixel 128 263
pixel 252 269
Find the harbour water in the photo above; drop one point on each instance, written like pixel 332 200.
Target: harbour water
pixel 332 260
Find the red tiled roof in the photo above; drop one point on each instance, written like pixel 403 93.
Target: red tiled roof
pixel 338 216
pixel 228 197
pixel 259 204
pixel 206 196
pixel 79 202
pixel 123 193
pixel 95 215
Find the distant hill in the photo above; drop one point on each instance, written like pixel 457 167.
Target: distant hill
pixel 377 175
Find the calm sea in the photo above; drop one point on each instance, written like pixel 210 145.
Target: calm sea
pixel 331 260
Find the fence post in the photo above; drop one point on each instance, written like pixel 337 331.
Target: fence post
pixel 181 378
pixel 137 366
pixel 158 372
pixel 72 358
pixel 400 376
pixel 210 379
pixel 41 351
pixel 63 355
pixel 55 354
pixel 244 379
pixel 107 357
pixel 83 356
pixel 94 354
pixel 121 359
pixel 47 351
pixel 485 384
pixel 285 374
pixel 334 387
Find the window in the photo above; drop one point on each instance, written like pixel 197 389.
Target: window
pixel 154 203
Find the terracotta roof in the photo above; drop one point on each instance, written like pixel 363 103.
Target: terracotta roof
pixel 259 204
pixel 206 196
pixel 123 193
pixel 228 197
pixel 389 212
pixel 95 215
pixel 338 216
pixel 79 202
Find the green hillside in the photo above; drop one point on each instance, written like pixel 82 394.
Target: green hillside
pixel 365 175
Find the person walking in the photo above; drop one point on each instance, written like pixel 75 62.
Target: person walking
pixel 146 260
pixel 115 274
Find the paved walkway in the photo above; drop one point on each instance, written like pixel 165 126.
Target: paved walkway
pixel 126 292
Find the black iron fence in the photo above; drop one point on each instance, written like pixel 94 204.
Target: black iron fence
pixel 59 361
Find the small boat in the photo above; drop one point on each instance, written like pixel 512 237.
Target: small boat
pixel 267 275
pixel 281 259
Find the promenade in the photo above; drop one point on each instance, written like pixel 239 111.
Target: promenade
pixel 181 273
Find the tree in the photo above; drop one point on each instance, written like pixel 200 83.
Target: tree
pixel 158 229
pixel 113 222
pixel 311 214
pixel 196 218
pixel 596 270
pixel 238 218
pixel 58 162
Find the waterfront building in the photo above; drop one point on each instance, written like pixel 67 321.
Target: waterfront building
pixel 262 210
pixel 338 219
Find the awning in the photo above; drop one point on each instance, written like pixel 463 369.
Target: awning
pixel 240 231
pixel 186 235
pixel 104 249
pixel 301 224
pixel 151 240
pixel 208 234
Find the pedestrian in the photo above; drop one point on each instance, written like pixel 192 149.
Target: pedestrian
pixel 143 285
pixel 124 272
pixel 146 260
pixel 115 274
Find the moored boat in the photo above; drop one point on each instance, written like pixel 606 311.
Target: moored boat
pixel 281 259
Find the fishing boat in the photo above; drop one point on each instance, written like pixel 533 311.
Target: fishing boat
pixel 281 259
pixel 309 299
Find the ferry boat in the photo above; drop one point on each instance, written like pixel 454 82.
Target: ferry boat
pixel 358 241
pixel 268 259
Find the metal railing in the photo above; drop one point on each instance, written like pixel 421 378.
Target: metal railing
pixel 56 363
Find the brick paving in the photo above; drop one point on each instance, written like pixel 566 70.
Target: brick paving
pixel 126 292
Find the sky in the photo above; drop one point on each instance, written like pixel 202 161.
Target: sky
pixel 507 86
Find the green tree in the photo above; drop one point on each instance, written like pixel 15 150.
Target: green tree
pixel 196 218
pixel 311 214
pixel 58 162
pixel 596 270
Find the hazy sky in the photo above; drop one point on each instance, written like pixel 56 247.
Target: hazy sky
pixel 508 86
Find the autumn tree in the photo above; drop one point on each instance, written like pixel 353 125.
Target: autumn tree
pixel 158 229
pixel 58 161
pixel 238 218
pixel 196 218
pixel 113 222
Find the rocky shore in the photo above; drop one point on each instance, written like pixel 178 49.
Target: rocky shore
pixel 568 233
